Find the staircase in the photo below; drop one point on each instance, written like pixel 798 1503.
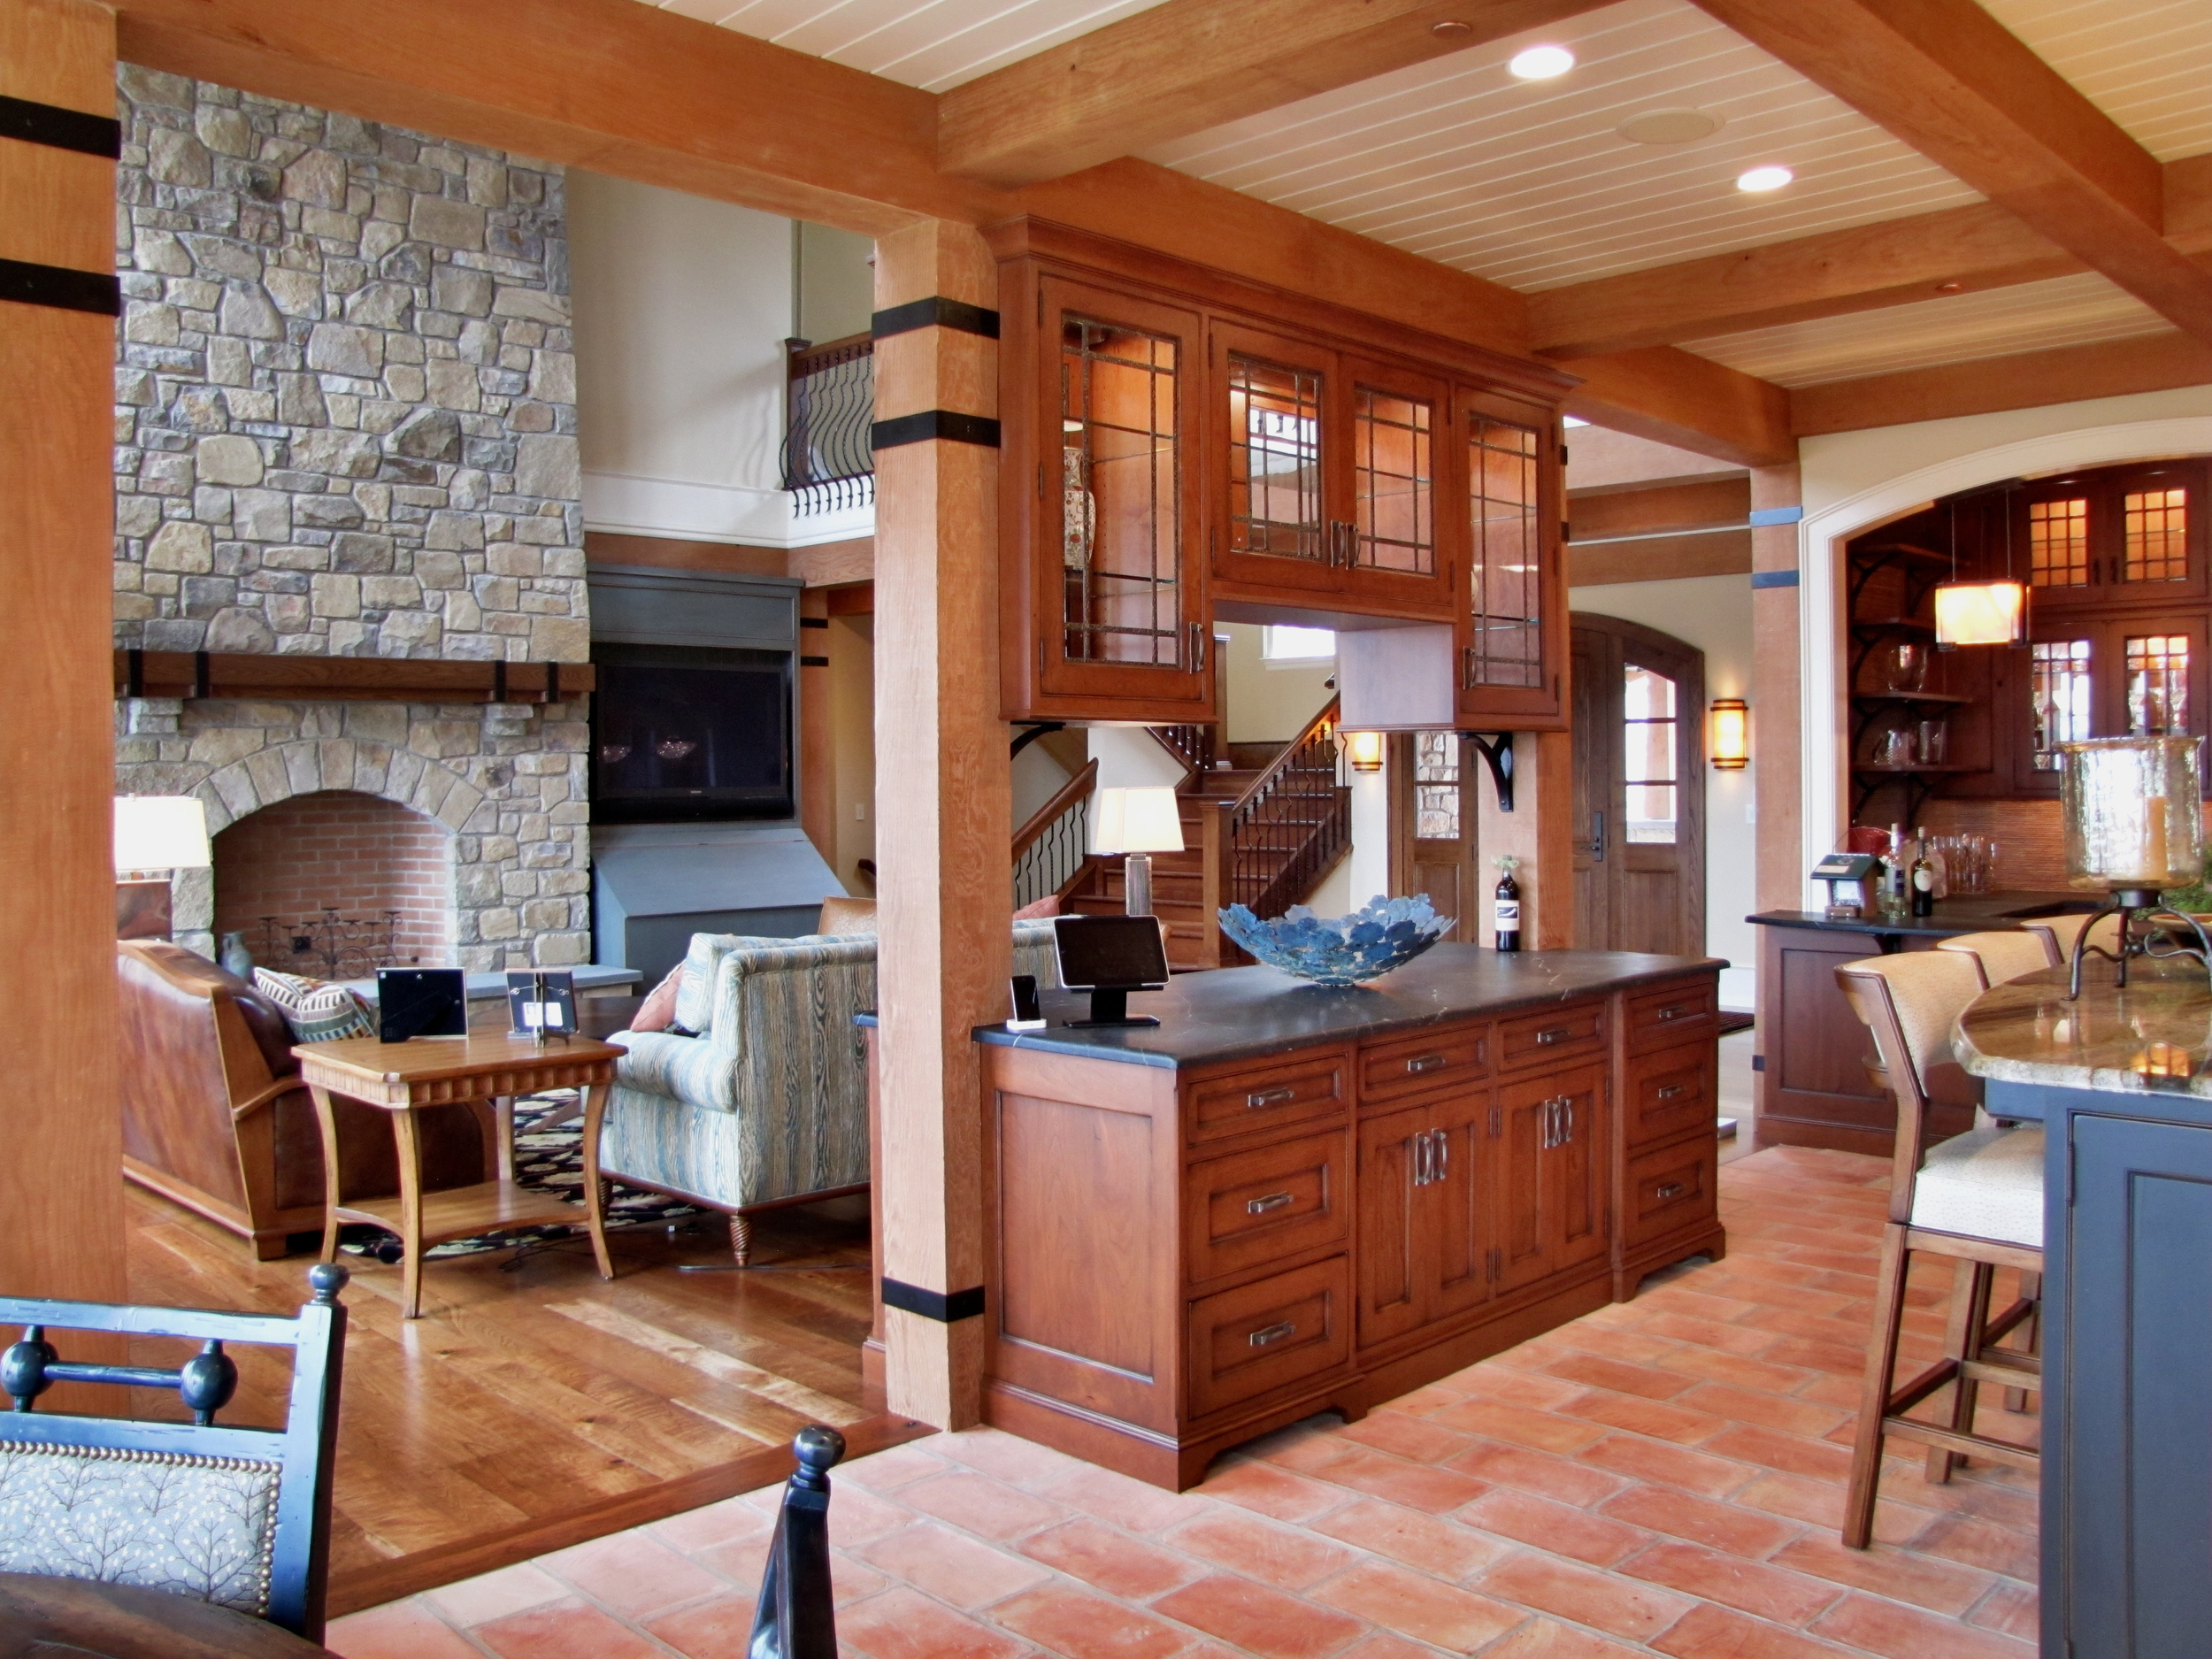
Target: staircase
pixel 1261 830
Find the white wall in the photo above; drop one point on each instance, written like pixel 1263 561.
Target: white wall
pixel 836 282
pixel 1365 872
pixel 1269 703
pixel 1714 614
pixel 682 306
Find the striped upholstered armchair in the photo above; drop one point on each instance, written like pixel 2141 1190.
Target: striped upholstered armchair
pixel 768 1103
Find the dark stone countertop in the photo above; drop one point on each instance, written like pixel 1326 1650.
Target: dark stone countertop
pixel 1250 1013
pixel 1986 912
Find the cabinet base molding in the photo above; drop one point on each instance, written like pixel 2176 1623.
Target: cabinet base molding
pixel 1438 1358
pixel 1637 1265
pixel 1142 1454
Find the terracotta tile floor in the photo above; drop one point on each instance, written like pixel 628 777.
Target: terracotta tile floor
pixel 1662 1477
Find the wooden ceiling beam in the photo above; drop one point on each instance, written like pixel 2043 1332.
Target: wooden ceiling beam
pixel 1691 403
pixel 1949 80
pixel 1181 67
pixel 2027 379
pixel 610 85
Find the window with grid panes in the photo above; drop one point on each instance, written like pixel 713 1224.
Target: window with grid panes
pixel 2158 682
pixel 2060 693
pixel 1436 796
pixel 2058 543
pixel 1648 757
pixel 1274 459
pixel 2154 535
pixel 1121 486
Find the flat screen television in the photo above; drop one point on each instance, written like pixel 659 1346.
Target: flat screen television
pixel 686 733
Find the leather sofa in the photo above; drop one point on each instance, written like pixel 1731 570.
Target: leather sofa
pixel 216 1119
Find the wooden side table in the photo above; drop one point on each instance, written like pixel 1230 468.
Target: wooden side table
pixel 398 1078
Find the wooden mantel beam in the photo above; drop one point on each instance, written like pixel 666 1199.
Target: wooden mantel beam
pixel 1180 68
pixel 1949 80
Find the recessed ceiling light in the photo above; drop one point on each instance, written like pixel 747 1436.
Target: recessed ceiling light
pixel 1542 63
pixel 1668 126
pixel 1762 179
pixel 1450 29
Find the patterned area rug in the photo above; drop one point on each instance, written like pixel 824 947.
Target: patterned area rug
pixel 548 1159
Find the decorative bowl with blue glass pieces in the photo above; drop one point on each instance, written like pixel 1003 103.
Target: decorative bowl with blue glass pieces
pixel 1383 935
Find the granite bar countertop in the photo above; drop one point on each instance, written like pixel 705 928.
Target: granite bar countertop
pixel 1981 913
pixel 1250 1013
pixel 2155 1036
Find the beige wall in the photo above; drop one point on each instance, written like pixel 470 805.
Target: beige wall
pixel 835 278
pixel 852 693
pixel 1268 704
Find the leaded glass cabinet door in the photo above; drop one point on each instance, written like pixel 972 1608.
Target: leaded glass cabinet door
pixel 1279 455
pixel 1512 629
pixel 1119 605
pixel 1401 551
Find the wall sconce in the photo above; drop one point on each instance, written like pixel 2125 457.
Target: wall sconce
pixel 1365 751
pixel 1729 739
pixel 1980 613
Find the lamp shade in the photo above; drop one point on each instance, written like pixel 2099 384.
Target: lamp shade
pixel 2131 808
pixel 1149 820
pixel 161 831
pixel 1729 739
pixel 1980 613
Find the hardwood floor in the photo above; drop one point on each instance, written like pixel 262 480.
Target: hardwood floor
pixel 535 1408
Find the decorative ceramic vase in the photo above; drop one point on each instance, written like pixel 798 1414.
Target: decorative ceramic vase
pixel 235 958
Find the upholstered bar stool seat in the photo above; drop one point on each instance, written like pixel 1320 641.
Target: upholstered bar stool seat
pixel 1984 1183
pixel 2007 955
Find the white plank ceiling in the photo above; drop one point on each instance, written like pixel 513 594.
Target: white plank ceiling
pixel 1531 185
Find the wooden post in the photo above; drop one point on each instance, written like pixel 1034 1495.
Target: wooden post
pixel 1776 748
pixel 943 800
pixel 61 1185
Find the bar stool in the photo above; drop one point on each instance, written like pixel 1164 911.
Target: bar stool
pixel 2006 956
pixel 1976 1198
pixel 2061 930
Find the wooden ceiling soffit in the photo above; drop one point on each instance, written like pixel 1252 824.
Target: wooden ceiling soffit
pixel 1180 68
pixel 1690 402
pixel 610 85
pixel 1949 80
pixel 2027 380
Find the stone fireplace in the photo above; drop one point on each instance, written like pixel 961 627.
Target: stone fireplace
pixel 346 428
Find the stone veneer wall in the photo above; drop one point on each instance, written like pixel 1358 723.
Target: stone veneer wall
pixel 345 426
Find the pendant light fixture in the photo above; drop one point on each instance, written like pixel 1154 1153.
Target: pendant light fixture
pixel 1980 613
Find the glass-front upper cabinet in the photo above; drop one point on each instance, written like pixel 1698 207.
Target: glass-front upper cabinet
pixel 1107 482
pixel 1512 637
pixel 1326 477
pixel 2131 535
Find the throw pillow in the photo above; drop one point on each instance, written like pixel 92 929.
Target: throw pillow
pixel 1048 906
pixel 317 1009
pixel 659 1007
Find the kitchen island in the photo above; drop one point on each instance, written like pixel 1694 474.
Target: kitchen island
pixel 1812 1087
pixel 1289 1198
pixel 2121 1082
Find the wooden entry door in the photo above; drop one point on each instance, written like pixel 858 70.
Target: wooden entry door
pixel 1638 789
pixel 1433 826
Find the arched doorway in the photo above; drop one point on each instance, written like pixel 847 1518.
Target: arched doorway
pixel 1638 789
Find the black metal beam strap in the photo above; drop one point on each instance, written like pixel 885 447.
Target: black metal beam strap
pixel 60 288
pixel 936 311
pixel 943 1307
pixel 58 129
pixel 928 423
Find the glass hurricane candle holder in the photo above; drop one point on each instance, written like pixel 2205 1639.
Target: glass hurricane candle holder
pixel 2132 807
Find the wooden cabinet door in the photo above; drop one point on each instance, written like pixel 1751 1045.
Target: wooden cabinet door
pixel 1512 626
pixel 1277 462
pixel 1550 1206
pixel 1392 1248
pixel 1459 1200
pixel 1402 550
pixel 1106 488
pixel 1526 1120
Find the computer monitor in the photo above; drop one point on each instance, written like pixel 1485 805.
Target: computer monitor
pixel 1110 956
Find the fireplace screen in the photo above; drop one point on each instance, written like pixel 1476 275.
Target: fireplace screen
pixel 685 733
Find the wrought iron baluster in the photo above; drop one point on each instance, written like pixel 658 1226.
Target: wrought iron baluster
pixel 795 1618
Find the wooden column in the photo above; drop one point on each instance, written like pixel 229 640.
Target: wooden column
pixel 1776 743
pixel 1538 831
pixel 944 801
pixel 61 1187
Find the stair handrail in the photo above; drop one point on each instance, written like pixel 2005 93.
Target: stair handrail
pixel 1051 852
pixel 1076 788
pixel 1322 725
pixel 1307 846
pixel 1194 746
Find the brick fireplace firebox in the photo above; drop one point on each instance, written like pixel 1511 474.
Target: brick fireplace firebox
pixel 366 882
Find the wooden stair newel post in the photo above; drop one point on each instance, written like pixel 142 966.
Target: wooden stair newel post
pixel 943 802
pixel 60 1189
pixel 1538 832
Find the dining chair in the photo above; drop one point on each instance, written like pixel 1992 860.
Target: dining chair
pixel 1975 1198
pixel 234 1516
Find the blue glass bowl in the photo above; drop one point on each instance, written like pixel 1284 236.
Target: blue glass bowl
pixel 1387 934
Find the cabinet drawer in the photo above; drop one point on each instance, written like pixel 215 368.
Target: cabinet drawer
pixel 1414 1065
pixel 1266 1204
pixel 1671 1014
pixel 1671 1187
pixel 1245 1341
pixel 1671 1092
pixel 1247 1098
pixel 1577 1029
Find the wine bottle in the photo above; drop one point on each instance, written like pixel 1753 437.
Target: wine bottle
pixel 1922 879
pixel 1507 916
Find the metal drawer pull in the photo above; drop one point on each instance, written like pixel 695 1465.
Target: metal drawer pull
pixel 1672 1190
pixel 1672 1091
pixel 1268 1333
pixel 1426 1062
pixel 1443 1154
pixel 1674 1012
pixel 1261 1206
pixel 1269 1097
pixel 1557 1034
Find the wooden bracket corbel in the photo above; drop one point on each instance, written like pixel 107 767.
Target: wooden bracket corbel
pixel 1497 748
pixel 1031 730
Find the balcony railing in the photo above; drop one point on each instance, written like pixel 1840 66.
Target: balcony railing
pixel 829 405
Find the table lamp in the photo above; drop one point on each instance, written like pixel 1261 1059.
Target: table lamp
pixel 1139 823
pixel 2132 807
pixel 156 835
